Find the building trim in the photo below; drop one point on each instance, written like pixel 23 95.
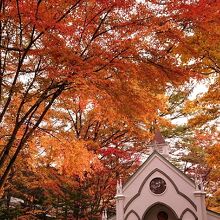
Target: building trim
pixel 135 213
pixel 188 210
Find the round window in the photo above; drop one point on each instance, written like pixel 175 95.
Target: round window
pixel 157 185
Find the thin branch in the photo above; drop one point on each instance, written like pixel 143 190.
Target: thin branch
pixel 95 34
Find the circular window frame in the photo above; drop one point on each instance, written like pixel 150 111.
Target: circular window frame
pixel 161 190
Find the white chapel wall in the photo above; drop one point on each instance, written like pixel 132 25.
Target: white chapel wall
pixel 188 216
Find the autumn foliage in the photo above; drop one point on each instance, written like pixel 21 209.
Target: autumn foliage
pixel 83 83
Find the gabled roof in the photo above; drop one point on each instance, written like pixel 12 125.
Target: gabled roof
pixel 156 154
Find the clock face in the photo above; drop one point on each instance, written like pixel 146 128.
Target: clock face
pixel 157 185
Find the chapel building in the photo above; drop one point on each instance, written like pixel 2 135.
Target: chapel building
pixel 160 191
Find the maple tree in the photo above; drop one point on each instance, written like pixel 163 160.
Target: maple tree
pixel 47 47
pixel 201 130
pixel 199 152
pixel 117 145
pixel 95 188
pixel 199 134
